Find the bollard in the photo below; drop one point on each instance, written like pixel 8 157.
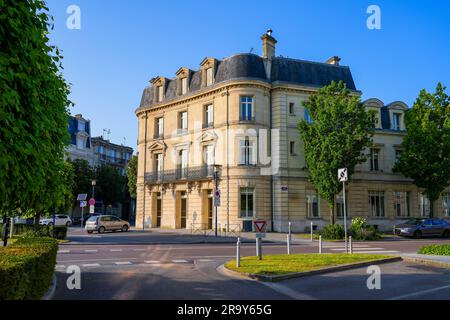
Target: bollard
pixel 288 243
pixel 290 237
pixel 350 244
pixel 259 248
pixel 238 252
pixel 320 244
pixel 311 231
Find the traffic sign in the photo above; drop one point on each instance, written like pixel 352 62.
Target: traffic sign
pixel 83 204
pixel 260 225
pixel 217 198
pixel 91 209
pixel 91 201
pixel 342 175
pixel 82 197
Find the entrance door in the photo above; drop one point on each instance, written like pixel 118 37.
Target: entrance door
pixel 183 210
pixel 158 210
pixel 210 210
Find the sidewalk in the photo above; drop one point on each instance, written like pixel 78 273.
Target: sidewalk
pixel 440 261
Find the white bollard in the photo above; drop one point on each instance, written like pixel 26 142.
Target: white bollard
pixel 238 252
pixel 288 243
pixel 320 244
pixel 259 248
pixel 311 231
pixel 350 242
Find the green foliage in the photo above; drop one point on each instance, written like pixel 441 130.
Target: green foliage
pixel 82 179
pixel 333 232
pixel 340 132
pixel 33 110
pixel 436 249
pixel 26 268
pixel 29 231
pixel 361 230
pixel 426 147
pixel 111 186
pixel 132 175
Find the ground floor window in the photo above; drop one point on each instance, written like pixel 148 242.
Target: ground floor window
pixel 424 205
pixel 446 204
pixel 312 203
pixel 376 203
pixel 339 205
pixel 247 203
pixel 401 204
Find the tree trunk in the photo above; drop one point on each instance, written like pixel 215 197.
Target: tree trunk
pixel 37 217
pixel 332 221
pixel 431 208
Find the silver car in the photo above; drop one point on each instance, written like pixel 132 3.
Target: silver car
pixel 102 223
pixel 419 228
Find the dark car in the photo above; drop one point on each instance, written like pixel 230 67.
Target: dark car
pixel 429 227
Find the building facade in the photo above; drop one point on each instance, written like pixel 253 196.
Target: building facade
pixel 112 154
pixel 238 117
pixel 80 139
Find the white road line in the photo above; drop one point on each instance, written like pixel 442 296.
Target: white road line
pixel 91 250
pixel 179 261
pixel 91 265
pixel 115 250
pixel 60 266
pixel 356 249
pixel 354 246
pixel 138 249
pixel 380 251
pixel 86 260
pixel 205 260
pixel 63 251
pixel 119 263
pixel 418 293
pixel 152 262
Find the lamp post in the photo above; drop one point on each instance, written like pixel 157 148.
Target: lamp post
pixel 216 196
pixel 94 183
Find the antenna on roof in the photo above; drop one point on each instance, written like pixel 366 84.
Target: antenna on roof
pixel 107 131
pixel 251 50
pixel 124 141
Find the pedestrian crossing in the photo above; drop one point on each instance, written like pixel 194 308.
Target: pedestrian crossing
pixel 62 267
pixel 360 248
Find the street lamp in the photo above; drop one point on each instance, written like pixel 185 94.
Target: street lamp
pixel 94 183
pixel 216 195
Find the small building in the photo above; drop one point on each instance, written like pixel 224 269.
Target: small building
pixel 112 154
pixel 80 146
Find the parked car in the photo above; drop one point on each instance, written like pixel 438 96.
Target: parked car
pixel 60 220
pixel 418 228
pixel 102 223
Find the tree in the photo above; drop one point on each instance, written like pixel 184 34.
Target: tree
pixel 83 176
pixel 111 185
pixel 340 130
pixel 425 155
pixel 132 176
pixel 33 109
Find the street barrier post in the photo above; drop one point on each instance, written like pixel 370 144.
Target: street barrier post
pixel 350 244
pixel 288 243
pixel 238 252
pixel 320 244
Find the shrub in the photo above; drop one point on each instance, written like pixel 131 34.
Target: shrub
pixel 361 230
pixel 26 268
pixel 26 230
pixel 333 232
pixel 436 249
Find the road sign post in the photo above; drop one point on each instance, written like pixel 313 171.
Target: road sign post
pixel 343 176
pixel 216 199
pixel 260 226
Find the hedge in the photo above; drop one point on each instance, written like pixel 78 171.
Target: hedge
pixel 436 249
pixel 43 230
pixel 26 268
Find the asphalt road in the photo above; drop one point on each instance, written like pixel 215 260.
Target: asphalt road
pixel 143 265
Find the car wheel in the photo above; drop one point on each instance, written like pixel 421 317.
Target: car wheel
pixel 124 228
pixel 446 234
pixel 50 224
pixel 67 223
pixel 418 234
pixel 90 231
pixel 101 229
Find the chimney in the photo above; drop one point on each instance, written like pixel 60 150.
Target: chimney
pixel 269 43
pixel 334 60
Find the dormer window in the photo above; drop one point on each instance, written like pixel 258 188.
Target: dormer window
pixel 209 77
pixel 184 85
pixel 396 121
pixel 160 91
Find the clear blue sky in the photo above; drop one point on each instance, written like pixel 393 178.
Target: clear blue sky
pixel 123 44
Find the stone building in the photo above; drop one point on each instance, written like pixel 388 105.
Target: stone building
pixel 238 116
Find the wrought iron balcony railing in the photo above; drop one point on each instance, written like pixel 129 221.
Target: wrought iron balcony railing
pixel 181 174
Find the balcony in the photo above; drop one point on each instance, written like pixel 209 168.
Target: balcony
pixel 205 172
pixel 111 160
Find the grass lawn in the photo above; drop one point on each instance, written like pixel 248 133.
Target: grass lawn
pixel 436 249
pixel 283 263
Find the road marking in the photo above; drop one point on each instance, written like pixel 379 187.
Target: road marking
pixel 138 249
pixel 287 291
pixel 119 263
pixel 151 262
pixel 86 260
pixel 343 246
pixel 91 265
pixel 414 294
pixel 115 250
pixel 63 251
pixel 179 261
pixel 205 260
pixel 356 249
pixel 91 250
pixel 380 251
pixel 60 266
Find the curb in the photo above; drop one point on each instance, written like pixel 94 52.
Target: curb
pixel 343 267
pixel 425 261
pixel 51 291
